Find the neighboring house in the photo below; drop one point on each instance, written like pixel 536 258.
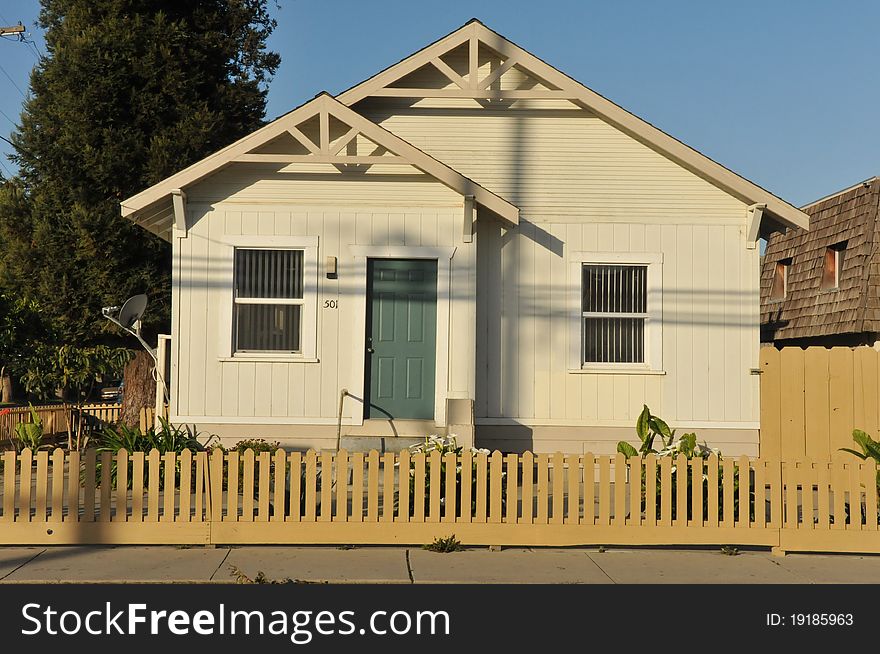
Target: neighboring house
pixel 822 287
pixel 468 242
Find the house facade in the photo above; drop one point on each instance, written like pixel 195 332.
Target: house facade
pixel 822 286
pixel 468 242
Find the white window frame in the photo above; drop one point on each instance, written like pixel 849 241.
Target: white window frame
pixel 653 317
pixel 309 301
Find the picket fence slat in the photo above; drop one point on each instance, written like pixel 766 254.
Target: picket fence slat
pixel 681 494
pixel 403 475
pixel 666 491
pixel 373 486
pixel 434 486
pixel 388 487
pixel 42 485
pixel 744 480
pixel 263 490
pixel 73 486
pixel 838 485
pixel 807 475
pixel 341 486
pixel 121 486
pixel 482 472
pixel 604 491
pixel 153 488
pixel 169 487
pixel 650 490
pixel 357 487
pixel 326 487
pixel 869 480
pixel 495 488
pixel 573 463
pixel 528 499
pixel 558 488
pixel 57 485
pixel 295 496
pixel 450 461
pixel 184 510
pixel 727 470
pixel 9 476
pixel 106 487
pixel 697 491
pixel 232 494
pixel 511 509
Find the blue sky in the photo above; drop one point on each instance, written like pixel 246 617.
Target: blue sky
pixel 783 92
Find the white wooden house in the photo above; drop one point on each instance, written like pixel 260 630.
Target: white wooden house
pixel 468 242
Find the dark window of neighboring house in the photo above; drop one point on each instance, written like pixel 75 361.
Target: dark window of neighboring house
pixel 832 267
pixel 778 288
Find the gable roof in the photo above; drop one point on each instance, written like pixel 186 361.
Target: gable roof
pixel 152 208
pixel 562 86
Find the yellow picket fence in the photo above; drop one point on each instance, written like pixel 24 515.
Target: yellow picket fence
pixel 527 499
pixel 813 398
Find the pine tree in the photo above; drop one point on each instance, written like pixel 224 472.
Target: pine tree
pixel 130 92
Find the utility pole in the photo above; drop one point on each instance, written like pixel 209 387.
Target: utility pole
pixel 12 30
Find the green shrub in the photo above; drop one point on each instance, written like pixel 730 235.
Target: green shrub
pixel 168 438
pixel 30 434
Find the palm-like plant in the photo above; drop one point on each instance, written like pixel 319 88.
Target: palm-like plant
pixel 870 449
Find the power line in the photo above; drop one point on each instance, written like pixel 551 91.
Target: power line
pixel 13 82
pixel 3 113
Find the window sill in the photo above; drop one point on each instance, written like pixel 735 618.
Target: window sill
pixel 269 359
pixel 615 371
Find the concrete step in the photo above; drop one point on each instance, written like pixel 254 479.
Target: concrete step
pixel 379 443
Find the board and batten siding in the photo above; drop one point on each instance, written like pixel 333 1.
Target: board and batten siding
pixel 341 210
pixel 584 186
pixel 709 327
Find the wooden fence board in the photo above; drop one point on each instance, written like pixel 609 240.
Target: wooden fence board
pixel 817 409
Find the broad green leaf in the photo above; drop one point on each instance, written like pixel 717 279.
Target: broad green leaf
pixel 661 427
pixel 642 423
pixel 626 449
pixel 858 454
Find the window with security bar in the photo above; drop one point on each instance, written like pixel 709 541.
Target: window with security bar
pixel 614 313
pixel 268 300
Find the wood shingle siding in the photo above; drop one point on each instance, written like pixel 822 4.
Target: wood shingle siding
pixel 853 307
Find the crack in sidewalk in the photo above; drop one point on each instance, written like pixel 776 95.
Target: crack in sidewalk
pixel 211 578
pixel 409 568
pixel 595 563
pixel 17 568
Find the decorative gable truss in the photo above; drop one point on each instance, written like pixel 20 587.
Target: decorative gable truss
pixel 477 63
pixel 322 131
pixel 472 62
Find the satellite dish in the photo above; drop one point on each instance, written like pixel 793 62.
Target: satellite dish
pixel 132 310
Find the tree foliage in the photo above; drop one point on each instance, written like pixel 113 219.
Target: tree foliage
pixel 130 92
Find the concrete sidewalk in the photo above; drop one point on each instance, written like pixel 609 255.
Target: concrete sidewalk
pixel 399 565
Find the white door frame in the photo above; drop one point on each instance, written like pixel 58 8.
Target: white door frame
pixel 443 257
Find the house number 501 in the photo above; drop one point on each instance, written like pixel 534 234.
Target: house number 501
pixel 331 304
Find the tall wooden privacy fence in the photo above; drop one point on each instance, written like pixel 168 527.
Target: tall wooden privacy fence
pixel 294 497
pixel 812 399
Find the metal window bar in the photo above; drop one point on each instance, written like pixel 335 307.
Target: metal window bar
pixel 614 312
pixel 268 300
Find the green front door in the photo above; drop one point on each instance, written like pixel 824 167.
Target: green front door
pixel 401 338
